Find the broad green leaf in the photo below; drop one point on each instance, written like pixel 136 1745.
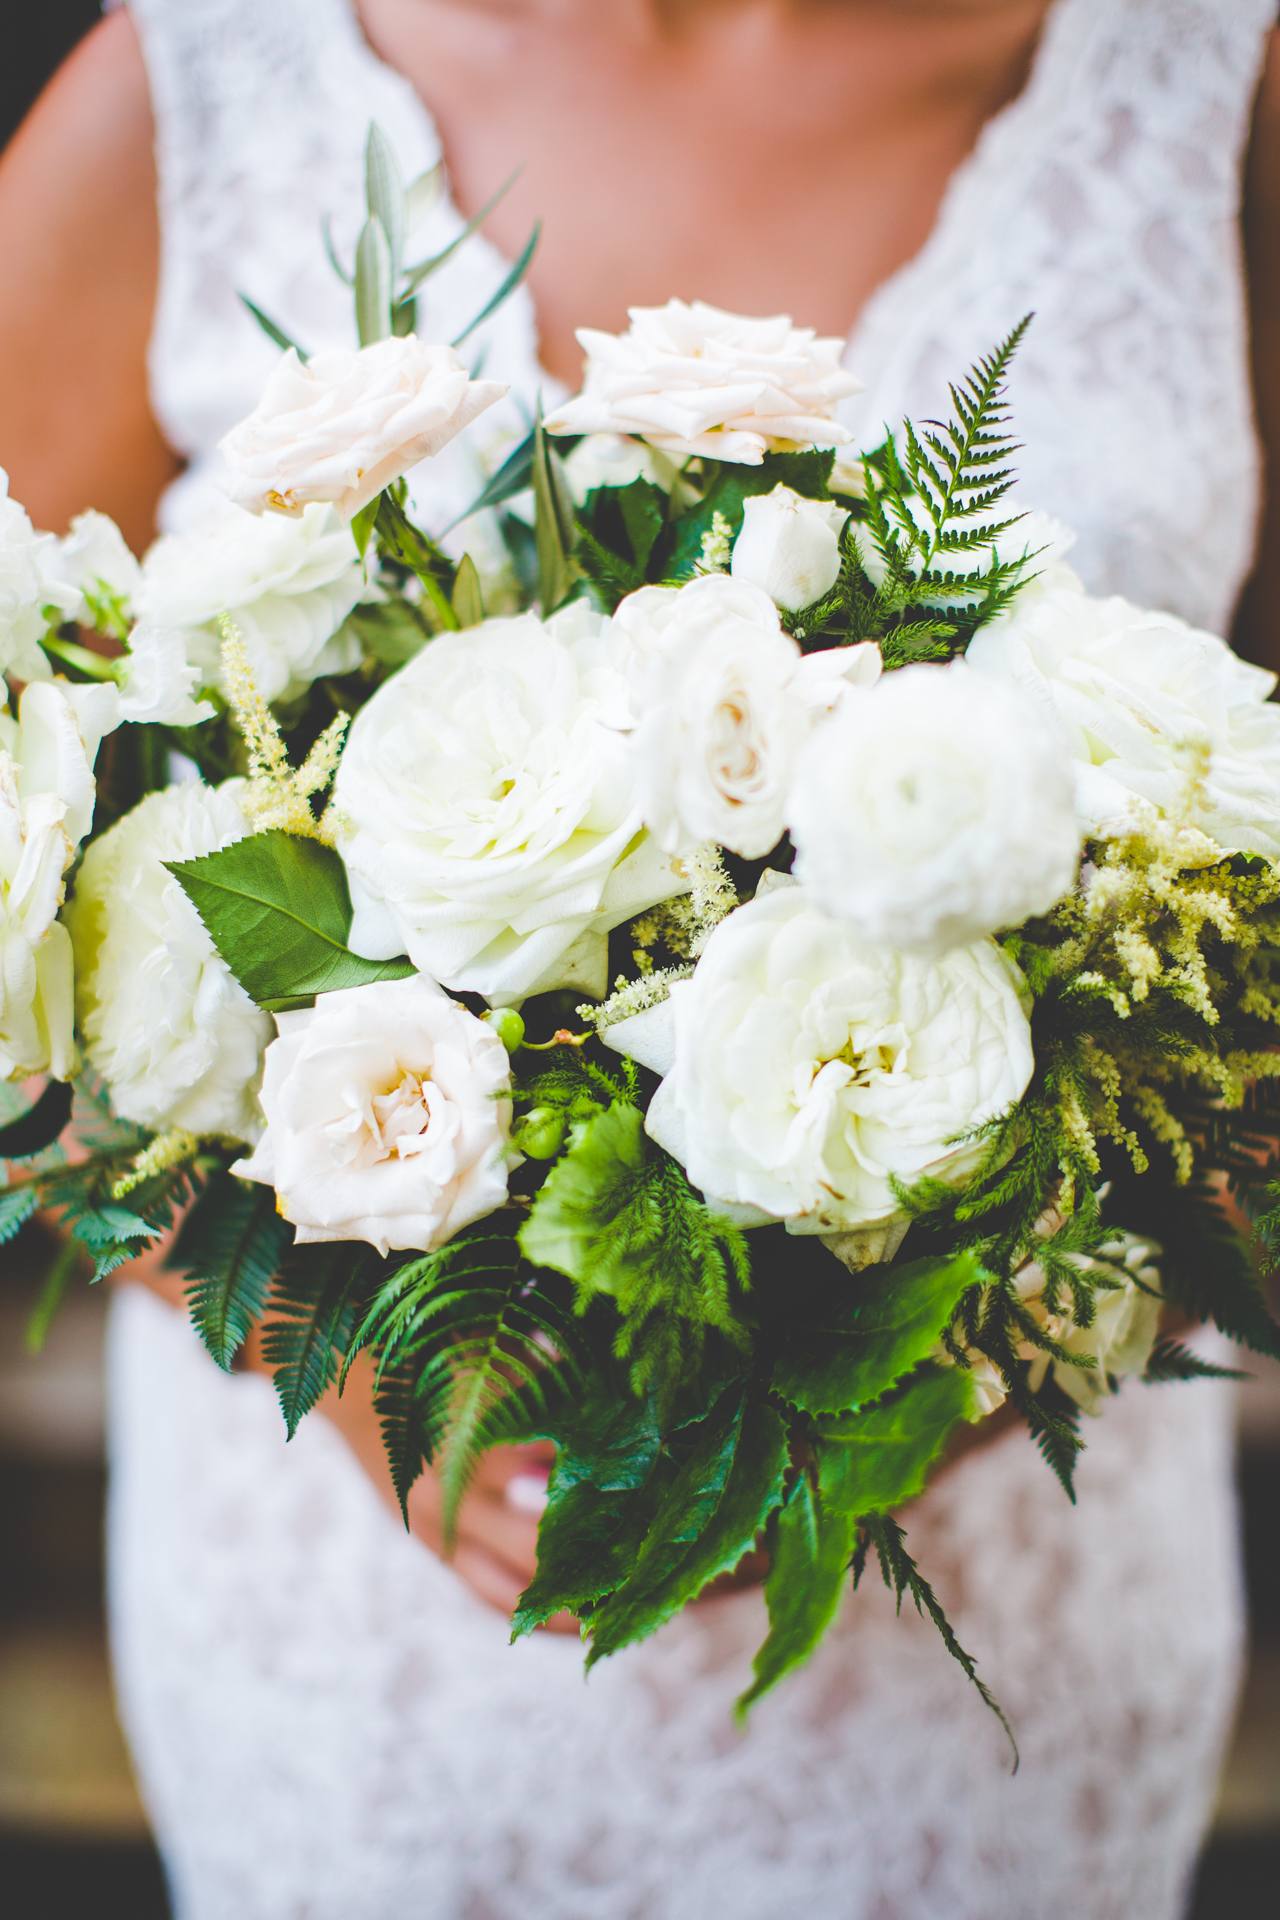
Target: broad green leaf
pixel 570 1225
pixel 272 331
pixel 644 513
pixel 373 283
pixel 873 1461
pixel 314 1301
pixel 553 522
pixel 40 1125
pixel 605 1486
pixel 384 192
pixel 811 1554
pixel 868 1330
pixel 391 632
pixel 507 288
pixel 720 1499
pixel 278 910
pixel 468 602
pixel 230 1248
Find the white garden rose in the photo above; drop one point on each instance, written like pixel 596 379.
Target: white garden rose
pixel 287 583
pixel 811 1069
pixel 94 560
pixel 1159 718
pixel 933 809
pixel 488 819
pixel 789 547
pixel 385 1117
pixel 720 722
pixel 31 596
pixel 46 807
pixel 348 422
pixel 172 1032
pixel 695 380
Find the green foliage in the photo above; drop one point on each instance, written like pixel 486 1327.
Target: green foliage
pixel 314 1305
pixel 555 529
pixel 276 334
pixel 17 1204
pixel 513 477
pixel 811 1549
pixel 278 911
pixel 618 1216
pixel 230 1247
pixel 506 288
pixel 874 1460
pixel 1172 1361
pixel 850 1339
pixel 53 1292
pixel 467 600
pixel 40 1125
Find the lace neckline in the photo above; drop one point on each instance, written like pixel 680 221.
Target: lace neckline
pixel 999 140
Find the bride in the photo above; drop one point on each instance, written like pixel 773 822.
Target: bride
pixel 326 1717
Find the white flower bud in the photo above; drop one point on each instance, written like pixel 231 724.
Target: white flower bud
pixel 789 547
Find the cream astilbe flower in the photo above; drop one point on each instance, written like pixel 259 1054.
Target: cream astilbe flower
pixel 696 380
pixel 172 1032
pixel 347 423
pixel 385 1117
pixel 276 794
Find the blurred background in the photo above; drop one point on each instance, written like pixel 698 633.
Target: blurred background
pixel 73 1835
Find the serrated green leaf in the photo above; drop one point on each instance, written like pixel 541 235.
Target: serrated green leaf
pixel 875 1460
pixel 709 1518
pixel 384 192
pixel 315 1303
pixel 467 599
pixel 107 1225
pixel 373 283
pixel 644 514
pixel 40 1125
pixel 570 1227
pixel 868 1330
pixel 811 1554
pixel 230 1247
pixel 277 909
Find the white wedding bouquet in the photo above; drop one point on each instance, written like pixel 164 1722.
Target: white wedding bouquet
pixel 780 971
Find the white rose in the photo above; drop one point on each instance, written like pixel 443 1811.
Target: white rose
pixel 171 1031
pixel 490 825
pixel 1125 1327
pixel 287 583
pixel 94 561
pixel 611 460
pixel 928 812
pixel 789 547
pixel 31 596
pixel 157 680
pixel 720 722
pixel 384 1117
pixel 347 423
pixel 694 380
pixel 1138 698
pixel 811 1069
pixel 46 807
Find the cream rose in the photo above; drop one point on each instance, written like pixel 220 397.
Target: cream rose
pixel 1159 718
pixel 287 583
pixel 347 423
pixel 810 1069
pixel 489 821
pixel 1124 1329
pixel 720 721
pixel 31 595
pixel 171 1031
pixel 933 809
pixel 695 380
pixel 789 547
pixel 385 1120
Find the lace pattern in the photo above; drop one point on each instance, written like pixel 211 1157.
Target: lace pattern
pixel 325 1721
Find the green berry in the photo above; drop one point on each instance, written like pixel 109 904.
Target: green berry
pixel 508 1026
pixel 540 1133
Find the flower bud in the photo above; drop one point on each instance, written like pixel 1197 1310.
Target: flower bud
pixel 508 1026
pixel 540 1133
pixel 789 546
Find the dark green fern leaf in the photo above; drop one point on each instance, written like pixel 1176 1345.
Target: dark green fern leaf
pixel 230 1247
pixel 1172 1361
pixel 315 1304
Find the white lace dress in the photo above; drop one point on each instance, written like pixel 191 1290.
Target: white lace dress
pixel 327 1724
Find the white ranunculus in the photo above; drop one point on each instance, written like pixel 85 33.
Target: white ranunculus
pixel 812 1069
pixel 158 678
pixel 348 422
pixel 287 583
pixel 489 823
pixel 171 1031
pixel 695 380
pixel 31 595
pixel 789 546
pixel 933 809
pixel 385 1117
pixel 94 561
pixel 46 808
pixel 612 460
pixel 1160 718
pixel 720 722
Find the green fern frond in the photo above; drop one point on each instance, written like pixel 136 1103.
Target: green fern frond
pixel 315 1303
pixel 230 1248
